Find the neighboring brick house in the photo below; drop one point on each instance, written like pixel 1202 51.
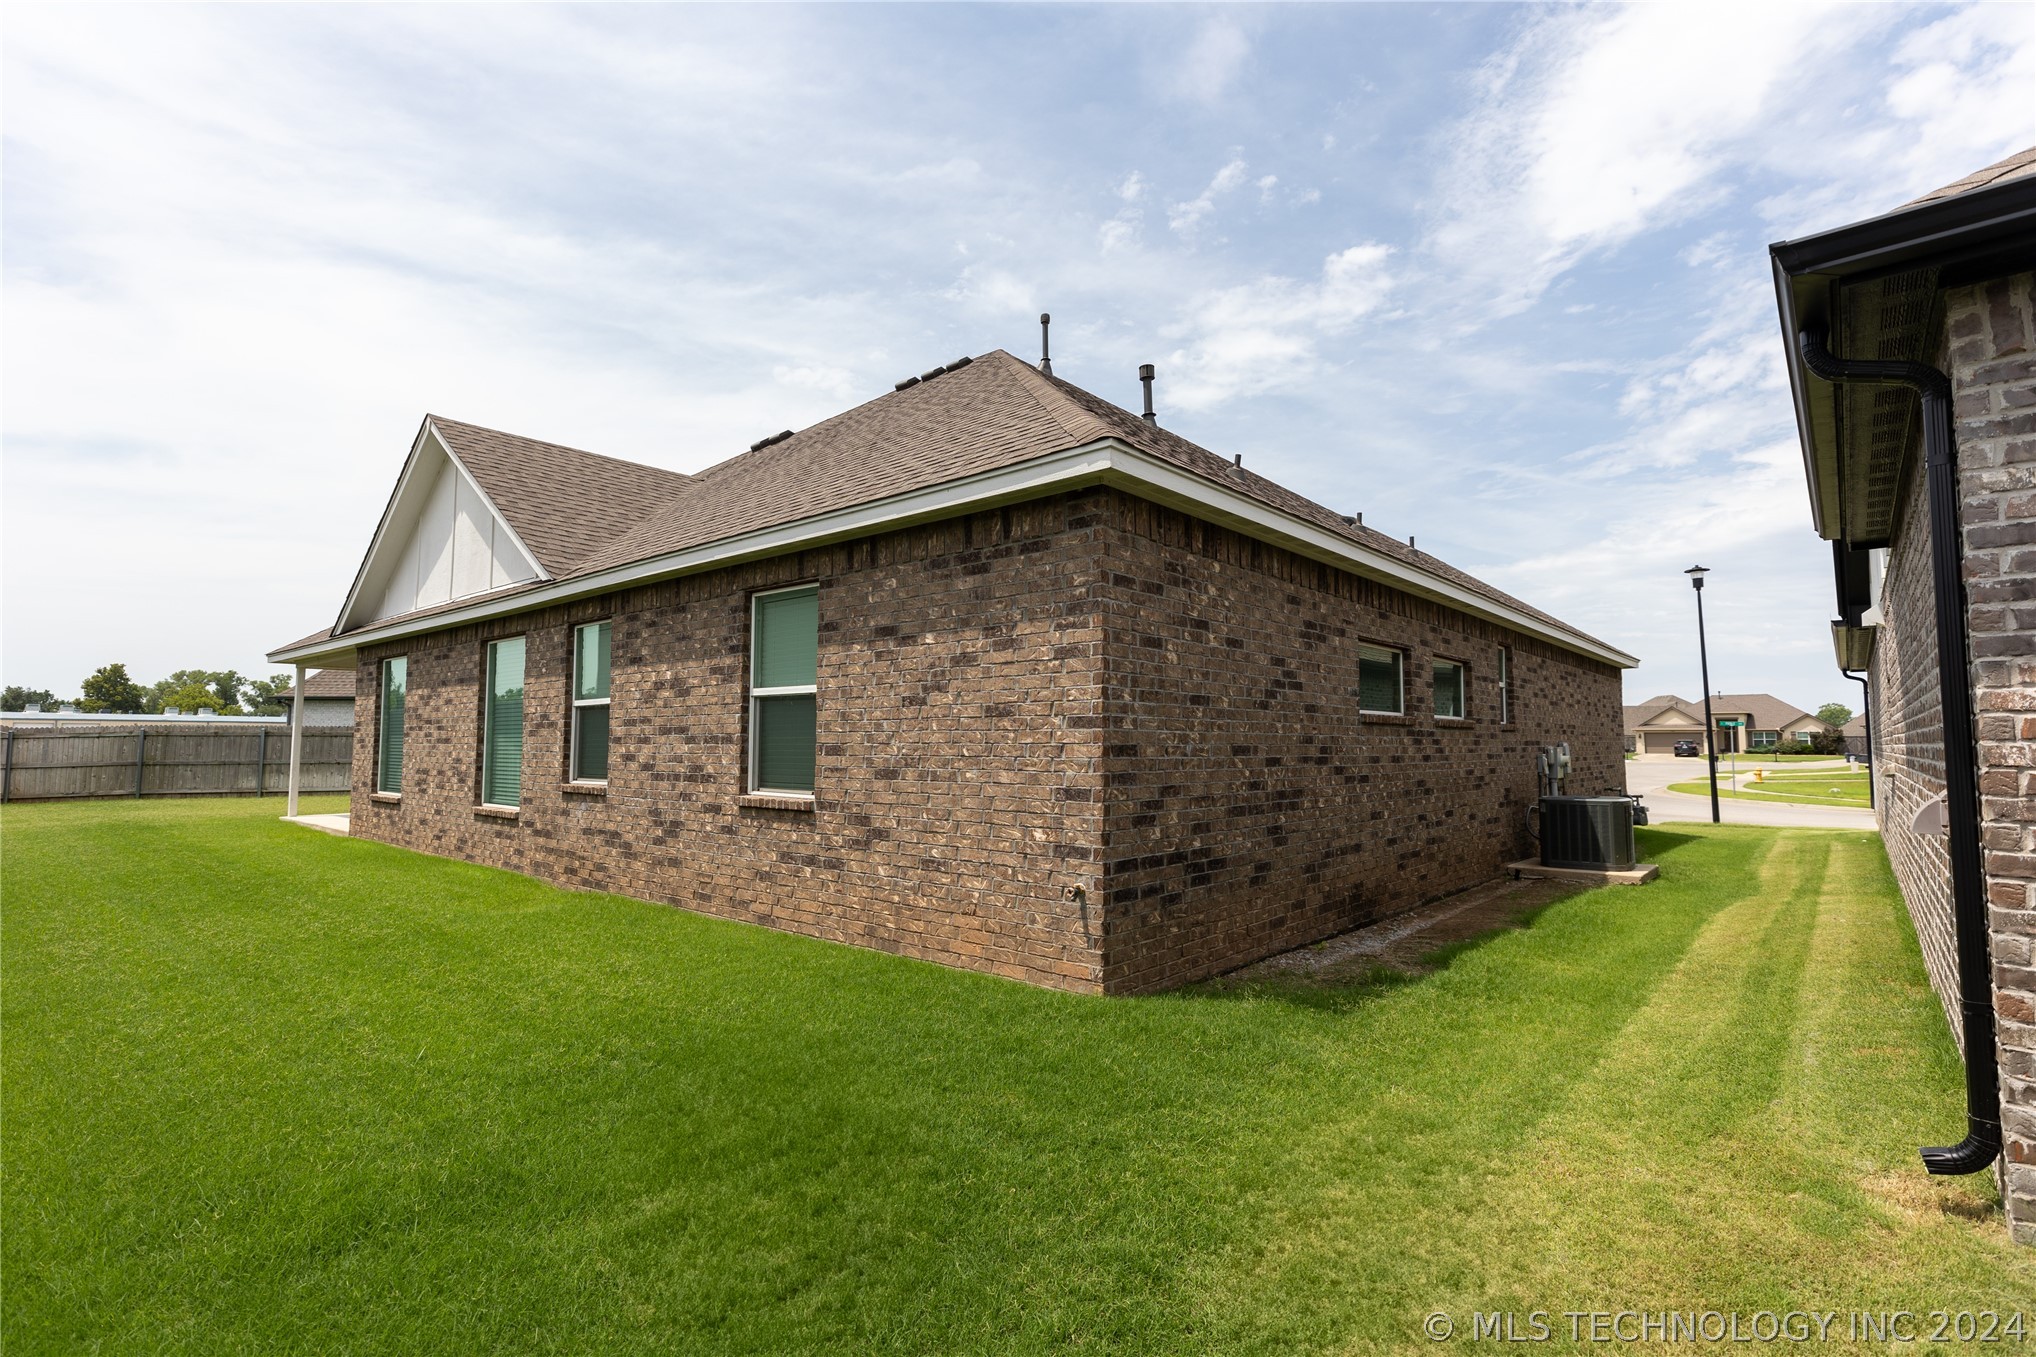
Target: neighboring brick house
pixel 987 671
pixel 328 698
pixel 1943 285
pixel 1746 721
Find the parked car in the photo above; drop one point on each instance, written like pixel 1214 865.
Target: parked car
pixel 1687 749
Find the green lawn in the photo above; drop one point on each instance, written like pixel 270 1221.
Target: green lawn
pixel 1833 788
pixel 267 1091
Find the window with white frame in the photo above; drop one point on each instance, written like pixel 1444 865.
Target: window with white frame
pixel 389 753
pixel 1381 684
pixel 784 667
pixel 1449 685
pixel 590 702
pixel 1505 685
pixel 502 728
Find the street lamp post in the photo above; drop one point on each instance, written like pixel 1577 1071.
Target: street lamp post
pixel 1696 574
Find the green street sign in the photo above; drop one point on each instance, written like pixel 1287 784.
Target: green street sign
pixel 1722 725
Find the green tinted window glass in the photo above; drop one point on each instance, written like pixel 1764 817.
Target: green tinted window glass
pixel 1448 688
pixel 590 743
pixel 590 661
pixel 502 758
pixel 395 686
pixel 785 729
pixel 787 640
pixel 1378 679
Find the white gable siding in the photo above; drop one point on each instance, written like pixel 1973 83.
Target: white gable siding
pixel 456 548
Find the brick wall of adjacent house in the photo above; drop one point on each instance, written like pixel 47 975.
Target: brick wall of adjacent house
pixel 1085 742
pixel 1989 350
pixel 1251 807
pixel 957 762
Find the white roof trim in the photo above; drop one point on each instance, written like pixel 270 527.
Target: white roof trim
pixel 1105 461
pixel 397 498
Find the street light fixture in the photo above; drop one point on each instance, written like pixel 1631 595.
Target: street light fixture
pixel 1696 574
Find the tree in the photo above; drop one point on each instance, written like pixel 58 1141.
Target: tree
pixel 110 689
pixel 265 696
pixel 17 698
pixel 192 698
pixel 226 686
pixel 175 690
pixel 190 689
pixel 1834 713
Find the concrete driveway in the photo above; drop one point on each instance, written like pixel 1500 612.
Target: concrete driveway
pixel 1648 776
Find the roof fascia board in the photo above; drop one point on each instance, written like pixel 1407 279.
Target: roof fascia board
pixel 1105 461
pixel 1911 235
pixel 1908 237
pixel 1162 481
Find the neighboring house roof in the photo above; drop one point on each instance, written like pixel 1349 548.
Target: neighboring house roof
pixel 1763 710
pixel 1870 290
pixel 325 683
pixel 587 517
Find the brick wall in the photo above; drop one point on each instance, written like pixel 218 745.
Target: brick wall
pixel 957 762
pixel 1989 350
pixel 1250 807
pixel 1085 742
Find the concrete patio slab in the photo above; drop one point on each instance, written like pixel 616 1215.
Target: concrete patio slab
pixel 331 824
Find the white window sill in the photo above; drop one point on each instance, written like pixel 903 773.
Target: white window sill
pixel 386 798
pixel 798 801
pixel 498 812
pixel 584 788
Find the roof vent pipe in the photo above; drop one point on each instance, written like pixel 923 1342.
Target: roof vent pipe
pixel 1045 350
pixel 1145 380
pixel 1982 1143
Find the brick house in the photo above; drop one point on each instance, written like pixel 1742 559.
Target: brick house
pixel 1922 471
pixel 987 671
pixel 1763 720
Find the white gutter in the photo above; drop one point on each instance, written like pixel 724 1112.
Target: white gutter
pixel 1104 462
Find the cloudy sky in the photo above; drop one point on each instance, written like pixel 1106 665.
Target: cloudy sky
pixel 1494 276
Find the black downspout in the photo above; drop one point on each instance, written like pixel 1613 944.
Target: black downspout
pixel 1982 1143
pixel 1866 715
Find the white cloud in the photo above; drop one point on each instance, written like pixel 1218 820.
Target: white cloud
pixel 1185 218
pixel 1264 335
pixel 1212 62
pixel 1586 132
pixel 1133 188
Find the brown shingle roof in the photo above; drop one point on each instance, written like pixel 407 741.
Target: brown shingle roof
pixel 995 412
pixel 565 504
pixel 582 513
pixel 2016 166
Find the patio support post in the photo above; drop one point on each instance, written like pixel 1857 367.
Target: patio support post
pixel 296 739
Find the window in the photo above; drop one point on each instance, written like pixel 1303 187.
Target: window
pixel 1449 689
pixel 784 664
pixel 502 738
pixel 1805 736
pixel 590 702
pixel 1379 687
pixel 1764 739
pixel 1505 685
pixel 389 759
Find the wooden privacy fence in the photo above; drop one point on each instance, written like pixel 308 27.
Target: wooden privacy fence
pixel 44 763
